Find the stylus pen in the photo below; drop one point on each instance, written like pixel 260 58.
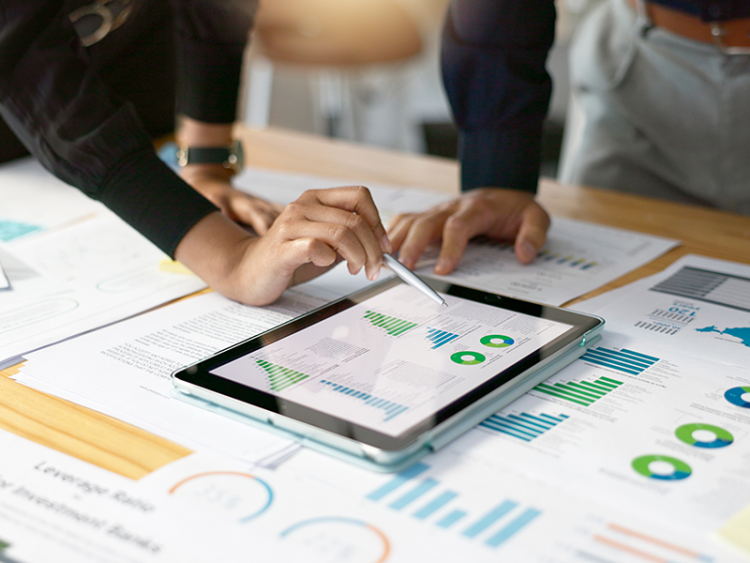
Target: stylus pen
pixel 412 279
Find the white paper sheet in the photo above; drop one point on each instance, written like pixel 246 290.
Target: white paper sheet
pixel 698 305
pixel 633 424
pixel 35 202
pixel 4 281
pixel 127 368
pixel 80 278
pixel 577 258
pixel 284 187
pixel 57 508
pixel 444 509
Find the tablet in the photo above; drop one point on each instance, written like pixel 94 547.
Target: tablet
pixel 386 375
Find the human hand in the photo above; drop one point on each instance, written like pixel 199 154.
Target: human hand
pixel 309 237
pixel 497 213
pixel 214 183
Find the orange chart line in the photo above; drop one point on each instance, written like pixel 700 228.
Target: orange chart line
pixel 628 549
pixel 655 541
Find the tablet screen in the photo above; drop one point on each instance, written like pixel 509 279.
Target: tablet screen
pixel 395 359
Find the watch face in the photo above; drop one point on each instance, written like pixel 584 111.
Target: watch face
pixel 236 156
pixel 230 157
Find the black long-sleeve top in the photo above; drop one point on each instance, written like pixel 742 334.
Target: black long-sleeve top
pixel 493 58
pixel 54 99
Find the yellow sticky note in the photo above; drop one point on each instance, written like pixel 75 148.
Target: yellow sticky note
pixel 174 267
pixel 737 530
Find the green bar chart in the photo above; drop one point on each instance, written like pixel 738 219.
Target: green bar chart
pixel 582 393
pixel 391 325
pixel 279 377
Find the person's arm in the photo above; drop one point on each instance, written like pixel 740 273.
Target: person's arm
pixel 493 60
pixel 67 118
pixel 82 132
pixel 310 236
pixel 211 40
pixel 214 181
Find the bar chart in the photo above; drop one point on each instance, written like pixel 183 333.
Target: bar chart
pixel 391 408
pixel 391 325
pixel 711 287
pixel 583 393
pixel 624 361
pixel 566 260
pixel 439 337
pixel 429 501
pixel 524 426
pixel 279 377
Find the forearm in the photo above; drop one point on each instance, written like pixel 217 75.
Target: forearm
pixel 493 60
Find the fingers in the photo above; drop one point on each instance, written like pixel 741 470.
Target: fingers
pixel 344 219
pixel 532 234
pixel 498 213
pixel 413 234
pixel 253 212
pixel 356 199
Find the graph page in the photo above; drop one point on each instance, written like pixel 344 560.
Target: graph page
pixel 80 278
pixel 698 304
pixel 446 508
pixel 397 358
pixel 577 258
pixel 636 425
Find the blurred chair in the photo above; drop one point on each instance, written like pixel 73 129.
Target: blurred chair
pixel 358 59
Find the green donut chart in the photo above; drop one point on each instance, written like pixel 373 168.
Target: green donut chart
pixel 736 396
pixel 497 341
pixel 722 438
pixel 680 469
pixel 467 358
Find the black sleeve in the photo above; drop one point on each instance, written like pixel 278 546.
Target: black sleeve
pixel 211 39
pixel 493 59
pixel 85 135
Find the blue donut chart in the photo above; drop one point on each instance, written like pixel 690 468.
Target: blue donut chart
pixel 734 396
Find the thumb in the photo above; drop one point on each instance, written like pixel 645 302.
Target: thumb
pixel 532 234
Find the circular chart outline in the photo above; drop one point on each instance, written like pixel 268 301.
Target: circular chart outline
pixel 734 396
pixel 487 341
pixel 478 358
pixel 723 439
pixel 265 485
pixel 681 470
pixel 345 519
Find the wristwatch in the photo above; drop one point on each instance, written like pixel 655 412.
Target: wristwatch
pixel 230 157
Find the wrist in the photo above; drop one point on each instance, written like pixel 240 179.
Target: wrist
pixel 213 248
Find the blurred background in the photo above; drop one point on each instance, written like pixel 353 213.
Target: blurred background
pixel 368 71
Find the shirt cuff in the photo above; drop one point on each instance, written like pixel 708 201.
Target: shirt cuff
pixel 155 201
pixel 501 159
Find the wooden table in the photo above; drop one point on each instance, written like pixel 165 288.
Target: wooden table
pixel 127 450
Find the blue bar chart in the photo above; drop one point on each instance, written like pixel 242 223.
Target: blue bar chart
pixel 390 408
pixel 625 361
pixel 428 500
pixel 440 337
pixel 524 426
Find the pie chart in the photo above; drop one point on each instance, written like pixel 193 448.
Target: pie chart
pixel 739 396
pixel 704 435
pixel 497 341
pixel 662 467
pixel 467 358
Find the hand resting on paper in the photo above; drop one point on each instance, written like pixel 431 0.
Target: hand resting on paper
pixel 214 183
pixel 309 237
pixel 502 214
